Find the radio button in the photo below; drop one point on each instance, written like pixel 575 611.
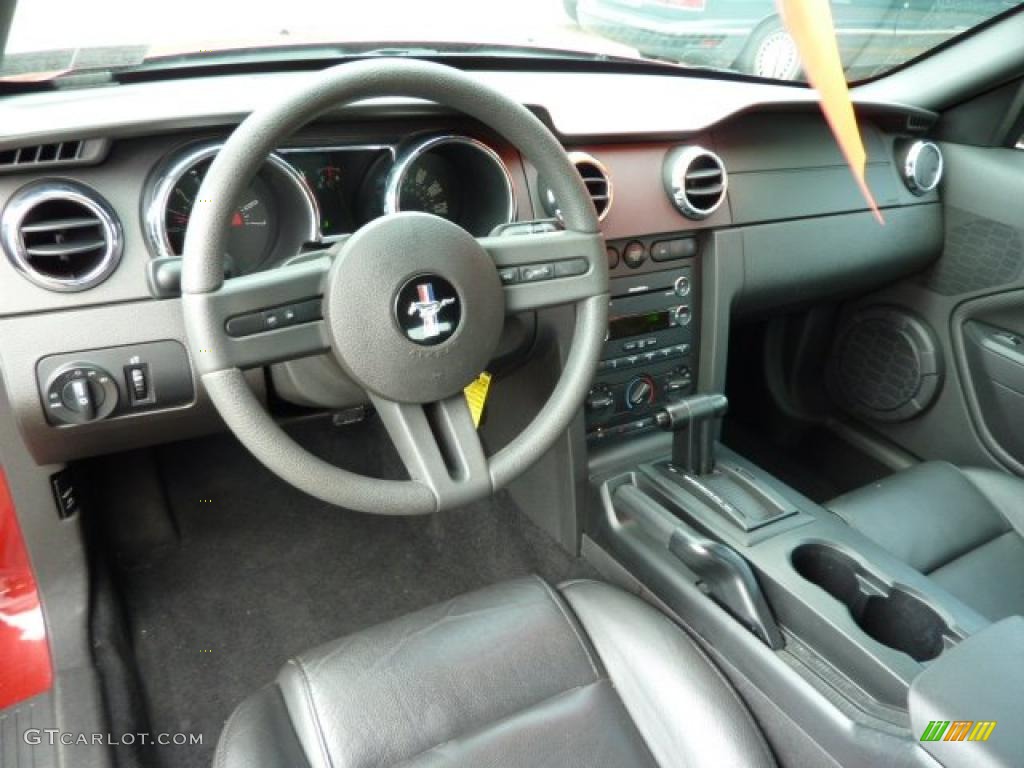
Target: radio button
pixel 681 315
pixel 682 286
pixel 629 346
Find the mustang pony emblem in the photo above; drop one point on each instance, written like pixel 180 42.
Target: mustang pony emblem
pixel 429 308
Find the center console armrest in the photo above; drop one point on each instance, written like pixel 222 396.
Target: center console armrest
pixel 971 694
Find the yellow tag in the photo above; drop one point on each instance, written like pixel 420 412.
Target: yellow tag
pixel 476 396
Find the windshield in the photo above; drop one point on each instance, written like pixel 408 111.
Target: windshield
pixel 57 37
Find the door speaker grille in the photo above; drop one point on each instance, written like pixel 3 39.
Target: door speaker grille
pixel 885 366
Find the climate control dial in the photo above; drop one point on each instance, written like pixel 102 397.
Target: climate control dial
pixel 599 398
pixel 640 392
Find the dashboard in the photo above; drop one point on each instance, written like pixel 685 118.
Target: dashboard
pixel 740 203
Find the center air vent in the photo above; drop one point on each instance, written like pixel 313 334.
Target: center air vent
pixel 595 179
pixel 61 235
pixel 696 181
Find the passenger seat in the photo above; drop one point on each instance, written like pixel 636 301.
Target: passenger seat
pixel 962 527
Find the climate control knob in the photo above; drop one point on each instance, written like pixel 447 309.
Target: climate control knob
pixel 640 392
pixel 80 393
pixel 599 398
pixel 679 381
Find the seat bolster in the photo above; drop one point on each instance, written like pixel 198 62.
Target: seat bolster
pixel 260 735
pixel 686 711
pixel 1004 491
pixel 926 516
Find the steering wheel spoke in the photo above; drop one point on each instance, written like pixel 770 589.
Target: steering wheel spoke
pixel 548 269
pixel 267 317
pixel 440 447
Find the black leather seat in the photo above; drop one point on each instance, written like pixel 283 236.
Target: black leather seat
pixel 962 527
pixel 515 675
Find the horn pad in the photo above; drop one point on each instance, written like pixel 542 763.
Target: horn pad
pixel 414 307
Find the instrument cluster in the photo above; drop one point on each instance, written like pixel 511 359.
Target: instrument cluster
pixel 308 195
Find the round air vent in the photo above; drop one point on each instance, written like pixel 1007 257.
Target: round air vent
pixel 922 167
pixel 61 235
pixel 696 181
pixel 596 179
pixel 886 365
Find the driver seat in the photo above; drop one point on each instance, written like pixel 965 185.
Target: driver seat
pixel 519 674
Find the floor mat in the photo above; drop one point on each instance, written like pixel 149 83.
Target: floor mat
pixel 262 572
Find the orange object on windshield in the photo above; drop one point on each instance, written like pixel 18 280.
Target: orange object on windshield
pixel 810 24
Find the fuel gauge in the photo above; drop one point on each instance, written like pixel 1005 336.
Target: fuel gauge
pixel 328 178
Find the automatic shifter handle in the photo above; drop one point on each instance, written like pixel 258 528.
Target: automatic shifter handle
pixel 694 424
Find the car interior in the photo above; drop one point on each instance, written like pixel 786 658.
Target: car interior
pixel 413 405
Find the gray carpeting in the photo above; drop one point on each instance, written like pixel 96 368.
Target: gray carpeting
pixel 261 572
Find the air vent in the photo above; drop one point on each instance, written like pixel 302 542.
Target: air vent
pixel 53 154
pixel 40 153
pixel 60 235
pixel 922 166
pixel 595 178
pixel 598 182
pixel 696 181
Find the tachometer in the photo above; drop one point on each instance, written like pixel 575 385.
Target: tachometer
pixel 275 217
pixel 253 224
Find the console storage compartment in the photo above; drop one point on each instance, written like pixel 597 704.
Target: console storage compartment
pixel 889 614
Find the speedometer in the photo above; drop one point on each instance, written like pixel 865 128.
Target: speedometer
pixel 455 177
pixel 430 186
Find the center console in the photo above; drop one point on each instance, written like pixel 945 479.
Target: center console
pixel 779 564
pixel 824 623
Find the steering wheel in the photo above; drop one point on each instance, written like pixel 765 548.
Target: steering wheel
pixel 411 305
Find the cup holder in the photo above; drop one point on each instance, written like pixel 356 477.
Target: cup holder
pixel 889 615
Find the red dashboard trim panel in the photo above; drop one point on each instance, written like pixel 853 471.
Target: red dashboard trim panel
pixel 25 666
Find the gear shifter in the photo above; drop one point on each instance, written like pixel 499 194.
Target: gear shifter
pixel 724 486
pixel 695 421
